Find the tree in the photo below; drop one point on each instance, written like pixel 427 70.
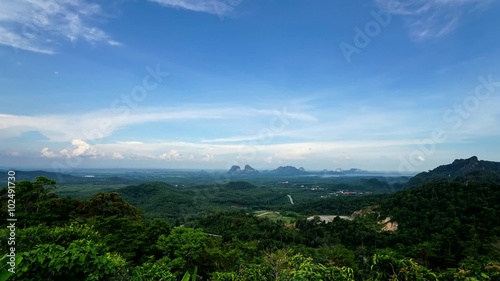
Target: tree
pixel 387 266
pixel 303 268
pixel 80 260
pixel 185 248
pixel 36 202
pixel 107 204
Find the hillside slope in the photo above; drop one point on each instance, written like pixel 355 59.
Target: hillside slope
pixel 459 168
pixel 441 222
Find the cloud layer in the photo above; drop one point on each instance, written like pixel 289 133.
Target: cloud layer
pixel 41 25
pixel 431 18
pixel 103 123
pixel 215 7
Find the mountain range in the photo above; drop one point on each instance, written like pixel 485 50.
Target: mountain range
pixel 280 171
pixel 236 170
pixel 288 171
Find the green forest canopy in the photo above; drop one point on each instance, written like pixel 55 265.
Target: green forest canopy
pixel 448 229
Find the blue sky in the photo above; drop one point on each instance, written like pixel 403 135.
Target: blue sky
pixel 379 85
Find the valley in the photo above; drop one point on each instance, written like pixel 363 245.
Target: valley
pixel 169 224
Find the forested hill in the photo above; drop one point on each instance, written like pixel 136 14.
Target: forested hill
pixel 447 229
pixel 460 168
pixel 449 214
pixel 443 222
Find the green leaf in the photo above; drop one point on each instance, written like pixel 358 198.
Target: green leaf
pixel 4 272
pixel 195 272
pixel 186 276
pixel 41 258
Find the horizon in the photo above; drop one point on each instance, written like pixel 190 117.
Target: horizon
pixel 379 85
pixel 34 169
pixel 258 169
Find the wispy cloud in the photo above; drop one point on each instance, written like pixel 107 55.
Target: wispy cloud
pixel 354 133
pixel 40 25
pixel 259 153
pixel 431 18
pixel 103 123
pixel 216 7
pixel 232 139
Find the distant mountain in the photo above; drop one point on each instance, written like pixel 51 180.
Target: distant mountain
pixel 341 172
pixel 329 172
pixel 355 170
pixel 249 170
pixel 288 171
pixel 236 170
pixel 460 169
pixel 58 177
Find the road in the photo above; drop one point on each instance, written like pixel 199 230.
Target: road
pixel 291 199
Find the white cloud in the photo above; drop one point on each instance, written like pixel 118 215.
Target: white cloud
pixel 299 153
pixel 118 155
pixel 171 155
pixel 82 148
pixel 215 7
pixel 9 38
pixel 64 152
pixel 431 18
pixel 13 153
pixel 233 139
pixel 357 132
pixel 48 154
pixel 268 152
pixel 39 25
pixel 103 123
pixel 208 157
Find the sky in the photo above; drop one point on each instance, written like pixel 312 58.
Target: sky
pixel 374 84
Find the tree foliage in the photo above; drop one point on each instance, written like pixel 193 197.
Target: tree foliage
pixel 448 230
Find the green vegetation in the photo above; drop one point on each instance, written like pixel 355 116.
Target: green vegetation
pixel 447 229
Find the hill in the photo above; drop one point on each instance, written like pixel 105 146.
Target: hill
pixel 288 171
pixel 443 221
pixel 448 229
pixel 247 170
pixel 161 200
pixel 460 168
pixel 158 199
